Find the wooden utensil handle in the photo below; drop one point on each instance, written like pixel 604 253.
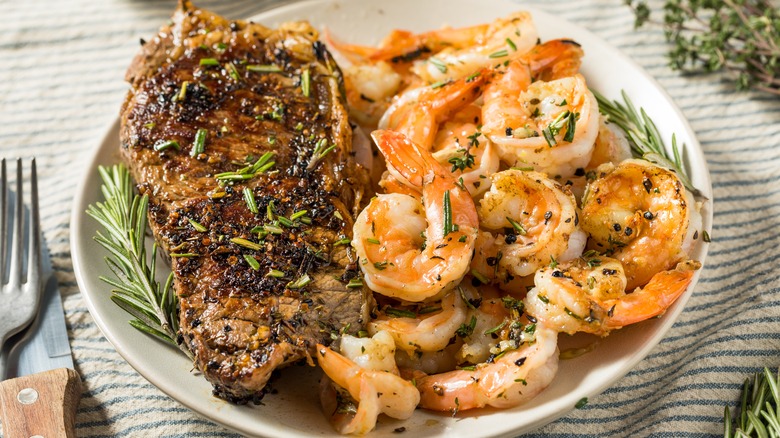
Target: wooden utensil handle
pixel 41 404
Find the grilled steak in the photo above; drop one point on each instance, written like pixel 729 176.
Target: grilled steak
pixel 258 242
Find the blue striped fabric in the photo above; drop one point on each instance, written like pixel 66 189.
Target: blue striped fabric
pixel 61 85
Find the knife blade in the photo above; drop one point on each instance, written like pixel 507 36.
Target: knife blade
pixel 43 402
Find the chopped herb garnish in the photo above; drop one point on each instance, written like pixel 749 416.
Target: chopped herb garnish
pixel 263 68
pixel 581 403
pixel 246 243
pixel 499 54
pixel 343 241
pixel 429 309
pixel 381 266
pixel 198 227
pixel 705 236
pixel 183 255
pixel 440 84
pixel 275 273
pixel 495 329
pixel 447 214
pixel 511 44
pixel 462 163
pixel 399 313
pixel 249 198
pixel 199 146
pixel 182 91
pixel 517 226
pixel 465 330
pixel 298 214
pixel 355 283
pixel 482 279
pixel 163 145
pixel 473 76
pixel 232 71
pixel 306 82
pixel 320 151
pixel 439 64
pixel 300 282
pixel 553 262
pixel 209 61
pixel 252 262
pixel 374 241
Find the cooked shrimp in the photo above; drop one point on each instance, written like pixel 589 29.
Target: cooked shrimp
pixel 418 112
pixel 487 310
pixel 552 126
pixel 589 295
pixel 542 216
pixel 376 392
pixel 642 215
pixel 410 250
pixel 471 157
pixel 429 331
pixel 505 39
pixel 374 353
pixel 370 88
pixel 525 363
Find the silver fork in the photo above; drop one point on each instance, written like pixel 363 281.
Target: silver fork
pixel 19 298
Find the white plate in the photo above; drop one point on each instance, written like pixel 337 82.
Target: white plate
pixel 295 411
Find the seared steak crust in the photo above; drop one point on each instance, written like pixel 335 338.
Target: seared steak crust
pixel 257 289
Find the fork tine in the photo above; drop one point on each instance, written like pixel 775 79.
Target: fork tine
pixel 17 244
pixel 3 223
pixel 34 252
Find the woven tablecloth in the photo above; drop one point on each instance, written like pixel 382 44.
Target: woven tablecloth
pixel 62 65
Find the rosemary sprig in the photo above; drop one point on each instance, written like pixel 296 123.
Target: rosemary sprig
pixel 759 411
pixel 643 135
pixel 136 290
pixel 738 37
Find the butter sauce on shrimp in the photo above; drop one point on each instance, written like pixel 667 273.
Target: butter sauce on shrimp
pixel 409 250
pixel 542 217
pixel 525 364
pixel 376 389
pixel 589 295
pixel 429 331
pixel 642 215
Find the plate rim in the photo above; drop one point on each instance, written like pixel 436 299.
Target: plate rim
pixel 693 151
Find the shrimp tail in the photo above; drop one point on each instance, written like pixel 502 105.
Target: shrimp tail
pixel 354 53
pixel 654 298
pixel 404 155
pixel 554 59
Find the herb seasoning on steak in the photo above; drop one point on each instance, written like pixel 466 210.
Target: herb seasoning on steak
pixel 239 135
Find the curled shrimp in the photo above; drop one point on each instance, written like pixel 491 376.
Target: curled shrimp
pixel 429 330
pixel 642 215
pixel 542 217
pixel 375 391
pixel 410 250
pixel 589 295
pixel 525 363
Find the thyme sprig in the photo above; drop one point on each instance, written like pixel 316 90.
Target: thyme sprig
pixel 738 37
pixel 759 414
pixel 643 135
pixel 136 290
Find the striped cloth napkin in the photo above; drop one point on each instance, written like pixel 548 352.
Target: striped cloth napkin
pixel 61 86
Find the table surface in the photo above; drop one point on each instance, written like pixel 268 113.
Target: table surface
pixel 61 86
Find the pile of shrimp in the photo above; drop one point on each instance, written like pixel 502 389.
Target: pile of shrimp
pixel 510 211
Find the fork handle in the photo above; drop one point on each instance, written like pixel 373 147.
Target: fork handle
pixel 42 404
